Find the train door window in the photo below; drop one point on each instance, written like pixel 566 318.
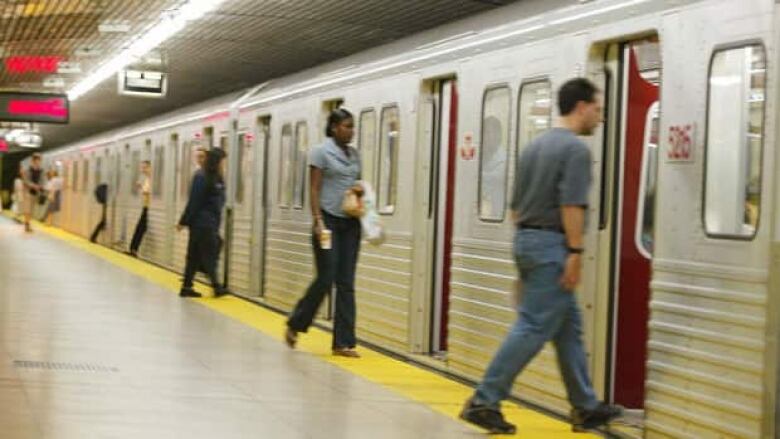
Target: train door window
pixel 75 182
pixel 301 161
pixel 176 163
pixel 645 224
pixel 98 171
pixel 223 143
pixel 327 108
pixel 367 144
pixel 243 167
pixel 494 151
pixel 65 176
pixel 185 173
pixel 85 176
pixel 135 172
pixel 388 159
pixel 733 152
pixel 534 112
pixel 208 137
pixel 286 162
pixel 159 167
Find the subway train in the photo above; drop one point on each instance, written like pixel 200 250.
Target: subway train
pixel 682 275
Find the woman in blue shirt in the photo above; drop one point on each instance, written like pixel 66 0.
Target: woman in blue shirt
pixel 334 169
pixel 203 215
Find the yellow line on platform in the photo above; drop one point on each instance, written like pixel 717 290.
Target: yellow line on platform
pixel 426 387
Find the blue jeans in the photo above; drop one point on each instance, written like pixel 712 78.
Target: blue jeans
pixel 336 265
pixel 547 312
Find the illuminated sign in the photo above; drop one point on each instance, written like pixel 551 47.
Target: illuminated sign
pixel 34 107
pixel 32 64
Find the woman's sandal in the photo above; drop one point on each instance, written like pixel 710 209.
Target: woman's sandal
pixel 346 352
pixel 290 337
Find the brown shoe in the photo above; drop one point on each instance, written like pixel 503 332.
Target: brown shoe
pixel 290 337
pixel 346 352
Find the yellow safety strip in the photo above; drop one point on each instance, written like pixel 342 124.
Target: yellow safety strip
pixel 441 394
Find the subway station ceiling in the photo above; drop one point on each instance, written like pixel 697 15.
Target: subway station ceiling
pixel 49 45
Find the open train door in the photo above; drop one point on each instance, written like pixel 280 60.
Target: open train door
pixel 629 163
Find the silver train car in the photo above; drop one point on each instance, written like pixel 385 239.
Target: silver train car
pixel 682 278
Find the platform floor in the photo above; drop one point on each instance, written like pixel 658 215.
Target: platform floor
pixel 95 345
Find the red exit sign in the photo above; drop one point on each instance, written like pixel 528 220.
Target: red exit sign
pixel 34 107
pixel 32 64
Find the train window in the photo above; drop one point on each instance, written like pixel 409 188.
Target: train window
pixel 85 176
pixel 286 163
pixel 75 183
pixel 733 152
pixel 185 172
pixel 98 171
pixel 388 159
pixel 367 144
pixel 135 163
pixel 241 169
pixel 534 111
pixel 494 151
pixel 65 176
pixel 159 168
pixel 645 224
pixel 301 160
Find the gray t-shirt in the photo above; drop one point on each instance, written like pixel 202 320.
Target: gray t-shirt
pixel 554 170
pixel 339 173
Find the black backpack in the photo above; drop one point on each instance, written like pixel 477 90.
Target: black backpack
pixel 101 193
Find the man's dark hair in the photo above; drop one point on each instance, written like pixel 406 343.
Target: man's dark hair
pixel 574 91
pixel 147 162
pixel 36 156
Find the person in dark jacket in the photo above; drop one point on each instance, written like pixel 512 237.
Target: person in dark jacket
pixel 33 182
pixel 101 195
pixel 202 216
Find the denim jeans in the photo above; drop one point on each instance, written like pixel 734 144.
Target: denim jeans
pixel 547 312
pixel 336 265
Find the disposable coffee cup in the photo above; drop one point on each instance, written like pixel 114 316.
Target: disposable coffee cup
pixel 325 239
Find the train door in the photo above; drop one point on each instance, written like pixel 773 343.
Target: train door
pixel 114 190
pixel 260 207
pixel 439 128
pixel 626 224
pixel 240 229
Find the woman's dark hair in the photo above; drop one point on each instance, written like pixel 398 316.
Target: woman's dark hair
pixel 574 91
pixel 336 117
pixel 211 168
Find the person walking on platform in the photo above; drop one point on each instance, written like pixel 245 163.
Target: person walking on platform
pixel 18 197
pixel 334 169
pixel 101 195
pixel 145 186
pixel 54 192
pixel 33 183
pixel 552 181
pixel 203 215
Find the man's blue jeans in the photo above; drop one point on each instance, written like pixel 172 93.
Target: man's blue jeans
pixel 547 313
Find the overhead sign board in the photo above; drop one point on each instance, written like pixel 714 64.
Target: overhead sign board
pixel 34 107
pixel 142 83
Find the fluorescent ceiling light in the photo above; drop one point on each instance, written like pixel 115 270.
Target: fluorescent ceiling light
pixel 170 24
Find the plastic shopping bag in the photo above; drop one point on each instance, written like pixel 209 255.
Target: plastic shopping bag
pixel 371 222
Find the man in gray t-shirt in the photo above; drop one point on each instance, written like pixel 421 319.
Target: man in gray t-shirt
pixel 553 171
pixel 551 193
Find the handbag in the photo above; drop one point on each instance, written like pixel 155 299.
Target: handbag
pixel 352 204
pixel 42 198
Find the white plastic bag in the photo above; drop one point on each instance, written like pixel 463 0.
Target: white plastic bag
pixel 371 222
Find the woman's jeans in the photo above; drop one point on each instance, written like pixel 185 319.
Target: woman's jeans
pixel 547 313
pixel 336 265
